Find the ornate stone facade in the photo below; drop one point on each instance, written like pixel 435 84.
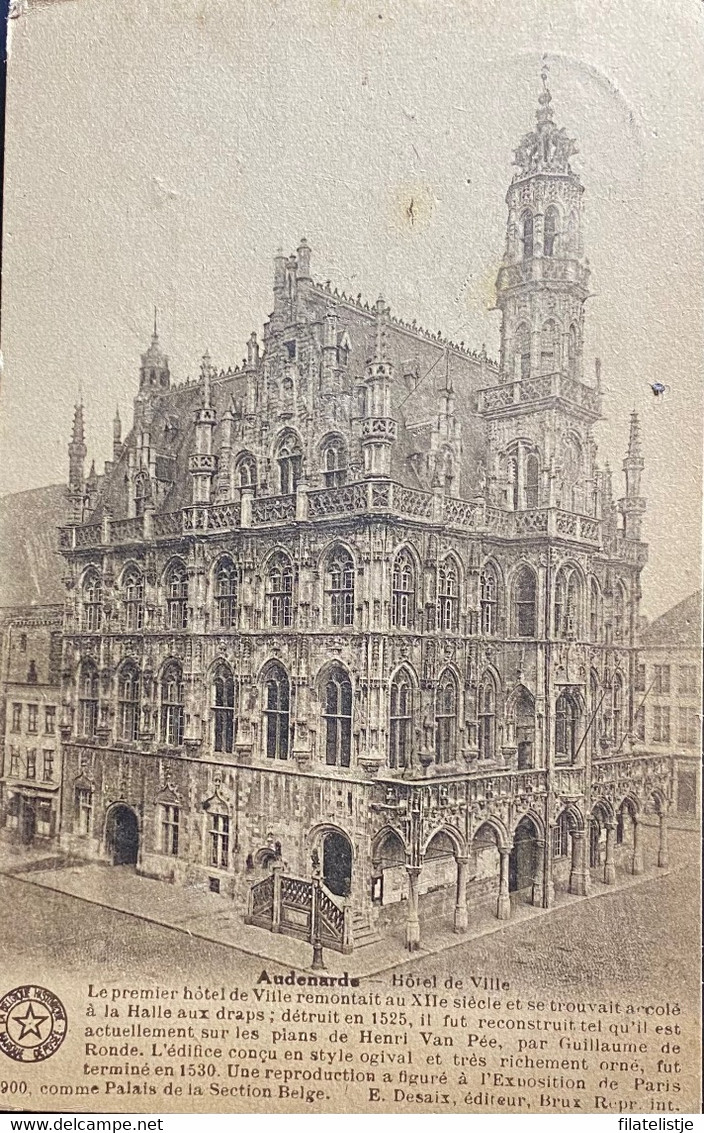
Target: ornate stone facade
pixel 366 601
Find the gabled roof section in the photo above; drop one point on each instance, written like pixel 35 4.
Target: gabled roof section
pixel 681 625
pixel 30 569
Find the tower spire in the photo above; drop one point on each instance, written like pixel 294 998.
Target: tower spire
pixel 634 455
pixel 632 506
pixel 76 466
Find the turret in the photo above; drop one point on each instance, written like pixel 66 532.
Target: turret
pixel 329 363
pixel 225 458
pixel 76 467
pixel 116 436
pixel 632 506
pixel 154 375
pixel 252 351
pixel 303 251
pixel 202 464
pixel 542 284
pixel 378 427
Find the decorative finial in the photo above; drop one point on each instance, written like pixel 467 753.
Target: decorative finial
pixel 205 374
pixel 544 113
pixel 156 335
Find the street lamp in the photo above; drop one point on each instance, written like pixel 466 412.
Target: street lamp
pixel 318 962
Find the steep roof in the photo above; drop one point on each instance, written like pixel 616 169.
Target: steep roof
pixel 680 625
pixel 30 568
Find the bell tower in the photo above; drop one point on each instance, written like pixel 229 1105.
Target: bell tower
pixel 542 283
pixel 541 411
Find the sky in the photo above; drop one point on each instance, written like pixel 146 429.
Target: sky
pixel 159 152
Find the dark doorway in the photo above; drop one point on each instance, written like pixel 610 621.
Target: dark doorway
pixel 123 836
pixel 29 822
pixel 337 864
pixel 522 862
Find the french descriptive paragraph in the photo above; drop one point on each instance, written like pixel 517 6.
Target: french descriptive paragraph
pixel 294 1040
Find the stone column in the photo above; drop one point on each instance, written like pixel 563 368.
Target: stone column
pixel 412 921
pixel 578 872
pixel 461 913
pixel 548 867
pixel 539 856
pixel 637 859
pixel 276 871
pixel 663 858
pixel 609 864
pixel 503 904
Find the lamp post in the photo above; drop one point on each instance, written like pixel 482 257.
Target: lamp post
pixel 318 962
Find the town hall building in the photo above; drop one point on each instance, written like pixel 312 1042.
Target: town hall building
pixel 350 628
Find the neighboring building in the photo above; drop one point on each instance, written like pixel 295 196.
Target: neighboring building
pixel 367 601
pixel 668 688
pixel 31 612
pixel 30 759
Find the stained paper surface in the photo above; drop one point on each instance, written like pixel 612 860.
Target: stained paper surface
pixel 350 609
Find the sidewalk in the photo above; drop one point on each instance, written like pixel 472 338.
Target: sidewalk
pixel 211 917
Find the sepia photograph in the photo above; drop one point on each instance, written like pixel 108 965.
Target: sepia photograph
pixel 350 557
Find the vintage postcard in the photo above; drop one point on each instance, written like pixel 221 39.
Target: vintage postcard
pixel 350 530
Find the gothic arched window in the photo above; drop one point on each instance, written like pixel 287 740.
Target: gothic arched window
pixel 223 709
pixel 549 347
pixel 448 595
pixel 88 699
pixel 226 594
pixel 572 232
pixel 339 587
pixel 445 718
pixel 128 702
pixel 289 459
pixel 568 593
pixel 523 351
pixel 172 705
pixel 403 592
pixel 133 599
pixel 279 589
pixel 141 494
pixel 617 710
pixel 334 463
pixel 277 709
pixel 524 725
pixel 594 610
pixel 512 477
pixel 177 596
pixel 620 604
pixel 527 226
pixel 400 720
pixel 486 705
pixel 488 600
pixel 531 480
pixel 595 702
pixel 566 725
pixel 525 604
pixel 92 602
pixel 246 471
pixel 572 351
pixel 550 230
pixel 338 718
pixel 571 495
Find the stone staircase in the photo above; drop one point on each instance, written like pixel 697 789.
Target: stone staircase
pixel 362 932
